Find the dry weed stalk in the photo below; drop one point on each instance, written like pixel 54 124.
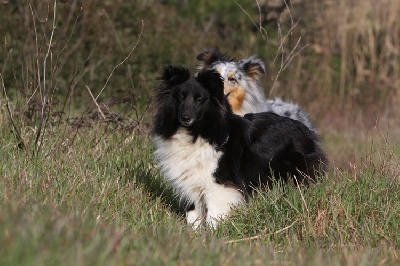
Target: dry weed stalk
pixel 45 94
pixel 123 61
pixel 284 40
pixel 46 60
pixel 363 42
pixel 262 235
pixel 15 130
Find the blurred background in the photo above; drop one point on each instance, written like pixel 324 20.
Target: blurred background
pixel 338 59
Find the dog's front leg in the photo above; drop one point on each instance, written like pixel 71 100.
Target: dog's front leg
pixel 193 216
pixel 220 200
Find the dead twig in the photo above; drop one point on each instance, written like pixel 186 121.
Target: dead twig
pixel 21 143
pixel 262 235
pixel 259 26
pixel 123 61
pixel 95 102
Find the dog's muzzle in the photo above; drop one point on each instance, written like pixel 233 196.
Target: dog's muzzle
pixel 185 120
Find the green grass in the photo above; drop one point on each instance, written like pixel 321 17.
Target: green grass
pixel 100 200
pixel 86 191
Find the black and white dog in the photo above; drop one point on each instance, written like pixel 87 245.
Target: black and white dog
pixel 213 158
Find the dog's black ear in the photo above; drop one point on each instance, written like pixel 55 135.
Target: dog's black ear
pixel 208 57
pixel 213 82
pixel 175 75
pixel 253 67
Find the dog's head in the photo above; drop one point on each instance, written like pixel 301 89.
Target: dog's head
pixel 241 78
pixel 210 57
pixel 191 97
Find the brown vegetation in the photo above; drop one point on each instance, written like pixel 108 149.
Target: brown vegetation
pixel 338 59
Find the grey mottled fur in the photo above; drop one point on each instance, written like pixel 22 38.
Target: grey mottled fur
pixel 255 100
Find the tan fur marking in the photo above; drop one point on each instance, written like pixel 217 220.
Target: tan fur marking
pixel 236 97
pixel 236 93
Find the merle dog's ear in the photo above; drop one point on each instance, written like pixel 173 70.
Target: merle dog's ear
pixel 209 56
pixel 213 82
pixel 175 75
pixel 253 67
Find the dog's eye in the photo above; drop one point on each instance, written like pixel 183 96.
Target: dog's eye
pixel 231 80
pixel 199 100
pixel 181 97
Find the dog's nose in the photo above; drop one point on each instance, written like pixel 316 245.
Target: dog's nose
pixel 185 118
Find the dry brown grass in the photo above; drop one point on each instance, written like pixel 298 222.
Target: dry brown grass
pixel 348 76
pixel 345 70
pixel 357 46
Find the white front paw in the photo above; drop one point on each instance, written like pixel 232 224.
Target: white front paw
pixel 214 220
pixel 220 202
pixel 193 218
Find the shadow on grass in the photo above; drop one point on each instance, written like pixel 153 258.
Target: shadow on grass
pixel 144 173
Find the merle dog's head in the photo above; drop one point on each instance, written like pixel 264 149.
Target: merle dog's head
pixel 241 78
pixel 185 100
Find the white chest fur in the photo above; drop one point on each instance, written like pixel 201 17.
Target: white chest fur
pixel 189 167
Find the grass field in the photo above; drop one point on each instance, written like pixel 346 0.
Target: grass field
pixel 85 199
pixel 79 186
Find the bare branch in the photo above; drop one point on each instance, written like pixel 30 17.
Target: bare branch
pixel 259 26
pixel 17 134
pixel 123 61
pixel 37 54
pixel 95 102
pixel 49 46
pixel 259 236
